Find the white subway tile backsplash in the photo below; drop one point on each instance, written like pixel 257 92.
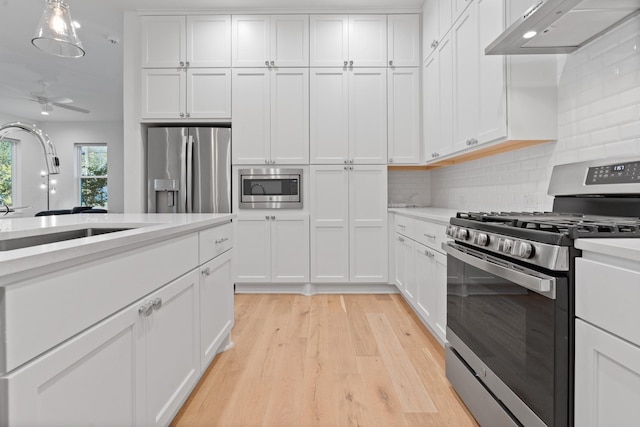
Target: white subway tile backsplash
pixel 599 116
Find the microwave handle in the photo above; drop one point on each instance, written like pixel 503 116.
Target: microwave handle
pixel 545 286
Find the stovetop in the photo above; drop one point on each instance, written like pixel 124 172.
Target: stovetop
pixel 550 227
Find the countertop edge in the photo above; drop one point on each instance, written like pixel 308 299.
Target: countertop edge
pixel 628 249
pixel 440 215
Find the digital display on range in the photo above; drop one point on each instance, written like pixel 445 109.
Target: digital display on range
pixel 622 173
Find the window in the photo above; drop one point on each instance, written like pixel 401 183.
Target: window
pixel 8 164
pixel 92 174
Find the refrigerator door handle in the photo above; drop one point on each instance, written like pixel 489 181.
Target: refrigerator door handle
pixel 183 175
pixel 190 174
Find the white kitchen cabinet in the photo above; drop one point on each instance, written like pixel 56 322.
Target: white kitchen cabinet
pixel 430 27
pixel 186 41
pixel 445 16
pixel 70 384
pixel 607 378
pixel 403 40
pixel 273 248
pixel 216 306
pixel 404 115
pixel 405 278
pixel 171 337
pixel 270 41
pixel 484 98
pixel 348 116
pixel 348 41
pixel 181 93
pixel 143 361
pixel 349 224
pixel 271 116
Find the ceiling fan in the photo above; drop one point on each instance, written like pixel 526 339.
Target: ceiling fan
pixel 47 103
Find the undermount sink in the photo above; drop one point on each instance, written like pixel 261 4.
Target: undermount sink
pixel 43 239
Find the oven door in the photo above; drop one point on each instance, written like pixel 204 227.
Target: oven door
pixel 510 324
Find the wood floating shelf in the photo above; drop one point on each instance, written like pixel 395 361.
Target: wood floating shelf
pixel 467 156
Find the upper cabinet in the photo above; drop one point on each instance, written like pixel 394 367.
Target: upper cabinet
pixel 270 41
pixel 186 41
pixel 403 40
pixel 348 41
pixel 472 99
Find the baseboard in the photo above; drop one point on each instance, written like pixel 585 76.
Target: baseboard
pixel 315 288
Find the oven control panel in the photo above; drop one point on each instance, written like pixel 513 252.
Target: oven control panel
pixel 620 173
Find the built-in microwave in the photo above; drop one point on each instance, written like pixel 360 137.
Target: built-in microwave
pixel 270 188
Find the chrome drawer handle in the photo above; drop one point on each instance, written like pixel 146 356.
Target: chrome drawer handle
pixel 146 309
pixel 429 236
pixel 224 239
pixel 206 272
pixel 156 303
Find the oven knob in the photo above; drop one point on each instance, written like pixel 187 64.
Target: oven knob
pixel 463 234
pixel 506 246
pixel 525 251
pixel 482 239
pixel 451 231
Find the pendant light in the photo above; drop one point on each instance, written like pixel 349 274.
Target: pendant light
pixel 55 33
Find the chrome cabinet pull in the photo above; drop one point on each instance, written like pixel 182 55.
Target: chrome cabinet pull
pixel 266 63
pixel 273 217
pixel 224 239
pixel 156 303
pixel 429 236
pixel 350 63
pixel 146 310
pixel 390 62
pixel 181 114
pixel 272 63
pixel 182 63
pixel 345 63
pixel 206 272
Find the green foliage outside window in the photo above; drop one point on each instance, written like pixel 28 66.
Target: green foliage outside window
pixel 93 175
pixel 6 151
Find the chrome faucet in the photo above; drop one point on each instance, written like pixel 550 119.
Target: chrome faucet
pixel 50 155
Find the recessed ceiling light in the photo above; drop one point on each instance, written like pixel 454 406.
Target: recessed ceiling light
pixel 529 34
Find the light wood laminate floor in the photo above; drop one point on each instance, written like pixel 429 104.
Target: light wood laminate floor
pixel 326 360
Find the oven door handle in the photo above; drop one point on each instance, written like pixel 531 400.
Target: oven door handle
pixel 530 279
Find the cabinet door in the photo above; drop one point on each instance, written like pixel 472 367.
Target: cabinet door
pixel 163 93
pixel 430 27
pixel 466 61
pixel 329 111
pixel 459 7
pixel 172 348
pixel 216 306
pixel 251 115
pixel 290 40
pixel 368 116
pixel 252 248
pixel 440 282
pixel 399 253
pixel 290 248
pixel 163 41
pixel 607 379
pixel 329 40
pixel 427 297
pixel 368 224
pixel 209 40
pixel 445 15
pixel 444 144
pixel 94 378
pixel 209 93
pixel 404 40
pixel 404 115
pixel 368 41
pixel 431 113
pixel 250 40
pixel 329 206
pixel 290 116
pixel 491 75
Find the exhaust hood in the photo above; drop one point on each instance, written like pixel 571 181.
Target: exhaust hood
pixel 561 26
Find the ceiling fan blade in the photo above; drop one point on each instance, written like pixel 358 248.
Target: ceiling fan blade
pixel 70 107
pixel 60 100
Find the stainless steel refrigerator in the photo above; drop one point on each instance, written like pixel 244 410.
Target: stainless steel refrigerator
pixel 189 170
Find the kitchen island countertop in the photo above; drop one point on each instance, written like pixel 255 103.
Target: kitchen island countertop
pixel 145 229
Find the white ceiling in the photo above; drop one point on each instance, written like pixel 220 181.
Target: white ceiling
pixel 94 81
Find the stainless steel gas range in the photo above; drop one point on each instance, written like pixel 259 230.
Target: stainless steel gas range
pixel 510 293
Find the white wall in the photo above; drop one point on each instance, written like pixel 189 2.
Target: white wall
pixel 599 116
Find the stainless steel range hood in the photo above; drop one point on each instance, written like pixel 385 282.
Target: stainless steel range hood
pixel 561 26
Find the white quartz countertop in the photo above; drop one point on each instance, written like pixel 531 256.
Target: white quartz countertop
pixel 145 229
pixel 619 248
pixel 432 214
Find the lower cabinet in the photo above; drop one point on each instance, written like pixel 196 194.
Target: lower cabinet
pixel 216 305
pixel 421 270
pixel 143 361
pixel 272 248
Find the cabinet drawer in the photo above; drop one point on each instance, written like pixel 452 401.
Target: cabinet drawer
pixel 608 296
pixel 403 225
pixel 215 241
pixel 430 234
